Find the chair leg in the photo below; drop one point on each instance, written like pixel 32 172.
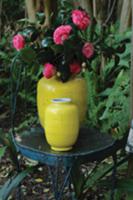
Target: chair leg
pixel 18 191
pixel 57 186
pixel 114 179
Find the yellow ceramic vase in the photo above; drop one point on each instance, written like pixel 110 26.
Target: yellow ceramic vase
pixel 48 89
pixel 61 124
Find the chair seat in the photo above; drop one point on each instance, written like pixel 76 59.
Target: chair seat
pixel 91 145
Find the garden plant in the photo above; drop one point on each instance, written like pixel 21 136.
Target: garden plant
pixel 101 54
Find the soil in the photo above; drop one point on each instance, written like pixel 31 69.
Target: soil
pixel 37 186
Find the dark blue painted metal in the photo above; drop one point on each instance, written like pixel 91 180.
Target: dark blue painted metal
pixel 114 171
pixel 91 146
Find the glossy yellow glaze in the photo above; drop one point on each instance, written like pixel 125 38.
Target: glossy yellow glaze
pixel 61 125
pixel 76 89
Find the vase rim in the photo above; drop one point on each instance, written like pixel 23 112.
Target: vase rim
pixel 61 100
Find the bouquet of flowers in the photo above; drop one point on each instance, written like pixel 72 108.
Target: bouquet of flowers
pixel 62 49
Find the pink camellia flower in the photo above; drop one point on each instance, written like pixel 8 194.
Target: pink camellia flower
pixel 88 50
pixel 18 42
pixel 49 70
pixel 81 19
pixel 61 34
pixel 75 68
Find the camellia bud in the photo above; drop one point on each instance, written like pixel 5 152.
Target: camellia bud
pixel 58 74
pixel 83 65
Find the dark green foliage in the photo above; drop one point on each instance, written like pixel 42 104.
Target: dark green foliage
pixel 13 183
pixel 115 116
pixel 92 98
pixel 2 151
pixel 78 180
pixel 108 86
pixel 7 141
pixel 11 11
pixel 5 61
pixel 28 55
pixel 30 33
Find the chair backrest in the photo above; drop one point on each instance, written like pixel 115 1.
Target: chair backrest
pixel 15 79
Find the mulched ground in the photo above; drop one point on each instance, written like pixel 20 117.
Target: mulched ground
pixel 37 186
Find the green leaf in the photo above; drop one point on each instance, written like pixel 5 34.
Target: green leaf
pixel 28 55
pixel 129 196
pixel 98 173
pixel 92 83
pixel 78 180
pixel 115 114
pixel 124 63
pixel 57 48
pixel 3 41
pixel 3 56
pixel 105 93
pixel 109 66
pixel 125 185
pixel 117 195
pixel 8 141
pixel 2 151
pixel 12 183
